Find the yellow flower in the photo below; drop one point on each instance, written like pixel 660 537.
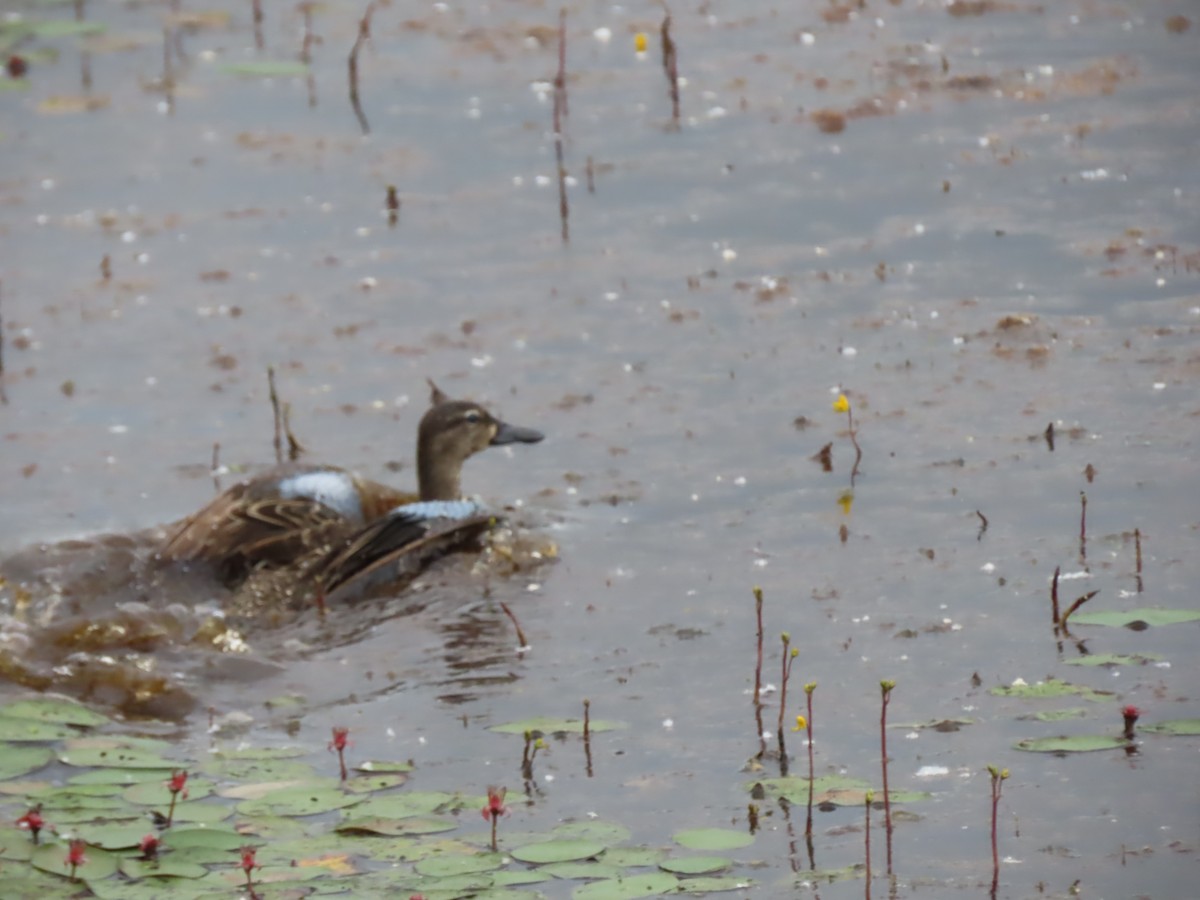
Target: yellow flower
pixel 845 501
pixel 841 404
pixel 640 42
pixel 801 723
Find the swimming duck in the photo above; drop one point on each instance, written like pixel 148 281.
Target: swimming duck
pixel 307 512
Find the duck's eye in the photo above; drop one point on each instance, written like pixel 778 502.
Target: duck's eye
pixel 473 417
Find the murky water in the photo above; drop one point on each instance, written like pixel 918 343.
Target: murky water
pixel 1003 236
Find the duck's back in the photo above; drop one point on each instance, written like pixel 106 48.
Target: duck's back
pixel 277 517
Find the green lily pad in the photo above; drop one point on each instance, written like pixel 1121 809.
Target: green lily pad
pixel 714 885
pixel 149 793
pixel 1084 743
pixel 446 866
pixel 396 827
pixel 55 28
pixel 14 729
pixel 608 832
pixel 119 779
pixel 97 863
pixel 267 68
pixel 552 725
pixel 1052 688
pixel 1060 715
pixel 695 865
pixel 304 800
pixel 116 753
pixel 633 857
pixel 16 760
pixel 114 835
pixel 166 867
pixel 54 710
pixel 1118 619
pixel 400 806
pixel 1174 726
pixel 378 766
pixel 215 839
pixel 367 784
pixel 713 839
pixel 649 885
pixel 1114 659
pixel 582 871
pixel 558 851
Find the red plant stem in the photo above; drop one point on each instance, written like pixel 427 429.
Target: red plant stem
pixel 587 707
pixel 998 777
pixel 1054 595
pixel 758 609
pixel 364 35
pixel 867 841
pixel 886 687
pixel 256 6
pixel 517 625
pixel 808 728
pixel 560 79
pixel 670 64
pixel 784 675
pixel 1078 603
pixel 1083 525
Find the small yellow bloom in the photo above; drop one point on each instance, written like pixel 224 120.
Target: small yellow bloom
pixel 640 42
pixel 841 404
pixel 801 723
pixel 845 501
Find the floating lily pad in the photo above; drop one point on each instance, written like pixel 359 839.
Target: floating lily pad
pixel 396 827
pixel 266 68
pixel 1118 619
pixel 551 725
pixel 558 851
pixel 13 729
pixel 695 865
pixel 649 885
pixel 166 867
pixel 1084 743
pixel 608 832
pixel 399 806
pixel 114 835
pixel 1114 659
pixel 1051 687
pixel 367 784
pixel 97 864
pixel 713 839
pixel 299 801
pixel 1059 715
pixel 150 793
pixel 1174 726
pixel 377 766
pixel 116 753
pixel 214 839
pixel 633 857
pixel 714 885
pixel 56 28
pixel 55 709
pixel 445 866
pixel 583 871
pixel 16 760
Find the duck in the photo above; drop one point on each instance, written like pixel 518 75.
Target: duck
pixel 329 520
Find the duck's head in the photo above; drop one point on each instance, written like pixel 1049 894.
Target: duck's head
pixel 453 431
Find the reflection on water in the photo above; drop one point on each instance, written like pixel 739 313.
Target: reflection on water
pixel 104 620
